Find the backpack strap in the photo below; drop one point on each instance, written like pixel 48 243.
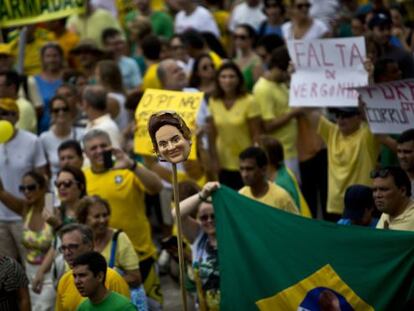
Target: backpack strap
pixel 111 262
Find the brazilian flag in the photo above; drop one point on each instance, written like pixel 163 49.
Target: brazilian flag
pixel 271 260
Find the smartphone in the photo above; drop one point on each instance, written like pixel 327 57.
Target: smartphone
pixel 107 157
pixel 49 202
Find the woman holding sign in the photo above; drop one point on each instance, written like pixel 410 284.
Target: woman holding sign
pixel 235 123
pixel 302 25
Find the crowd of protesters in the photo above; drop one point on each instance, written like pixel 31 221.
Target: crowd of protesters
pixel 77 233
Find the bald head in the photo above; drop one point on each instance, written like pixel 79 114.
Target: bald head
pixel 171 75
pixel 95 97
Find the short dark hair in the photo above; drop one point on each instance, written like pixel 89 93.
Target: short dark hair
pixel 109 33
pixel 251 32
pixel 240 88
pixel 85 231
pixel 71 144
pixel 151 47
pixel 400 177
pixel 270 42
pixel 52 45
pixel 279 59
pixel 95 96
pixel 406 136
pixel 79 177
pixel 255 153
pixel 273 149
pixel 95 261
pixel 381 67
pixel 84 205
pixel 12 78
pixel 193 39
pixel 278 3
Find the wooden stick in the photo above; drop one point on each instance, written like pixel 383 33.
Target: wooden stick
pixel 179 237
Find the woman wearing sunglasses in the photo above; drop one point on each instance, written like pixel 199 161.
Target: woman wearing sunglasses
pixel 249 62
pixel 302 25
pixel 37 234
pixel 201 233
pixel 203 75
pixel 62 129
pixel 71 187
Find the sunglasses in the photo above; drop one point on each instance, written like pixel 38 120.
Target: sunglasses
pixel 65 183
pixel 345 115
pixel 380 173
pixel 30 188
pixel 69 247
pixel 301 6
pixel 63 109
pixel 241 37
pixel 177 47
pixel 206 217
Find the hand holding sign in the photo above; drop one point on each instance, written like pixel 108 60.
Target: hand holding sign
pixel 325 70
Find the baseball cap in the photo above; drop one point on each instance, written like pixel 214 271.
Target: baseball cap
pixel 8 104
pixel 357 199
pixel 380 19
pixel 5 49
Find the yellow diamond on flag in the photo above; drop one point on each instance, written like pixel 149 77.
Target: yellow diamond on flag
pixel 323 286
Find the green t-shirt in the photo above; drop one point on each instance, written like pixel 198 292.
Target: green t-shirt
pixel 113 302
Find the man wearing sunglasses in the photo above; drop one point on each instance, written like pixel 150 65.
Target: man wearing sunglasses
pixel 21 153
pixel 352 153
pixel 77 239
pixel 392 191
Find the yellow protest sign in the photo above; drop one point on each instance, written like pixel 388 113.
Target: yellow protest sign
pixel 24 12
pixel 186 104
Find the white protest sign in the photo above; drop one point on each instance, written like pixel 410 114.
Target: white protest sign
pixel 389 107
pixel 325 70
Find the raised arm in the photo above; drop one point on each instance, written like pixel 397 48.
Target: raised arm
pixel 12 202
pixel 149 179
pixel 191 227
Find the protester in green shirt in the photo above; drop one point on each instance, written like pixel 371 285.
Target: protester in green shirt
pixel 89 272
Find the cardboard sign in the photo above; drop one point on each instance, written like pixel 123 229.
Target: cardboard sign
pixel 23 12
pixel 186 104
pixel 326 71
pixel 389 107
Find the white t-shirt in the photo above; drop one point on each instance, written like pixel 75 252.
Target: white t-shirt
pixel 18 156
pixel 51 142
pixel 122 119
pixel 244 14
pixel 200 20
pixel 316 31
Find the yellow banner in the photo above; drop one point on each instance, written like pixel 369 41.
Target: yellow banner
pixel 24 12
pixel 186 104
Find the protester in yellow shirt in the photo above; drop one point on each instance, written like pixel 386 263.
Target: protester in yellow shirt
pixel 352 153
pixel 123 185
pixel 76 240
pixel 235 122
pixel 253 169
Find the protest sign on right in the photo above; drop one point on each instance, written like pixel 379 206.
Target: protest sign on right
pixel 326 70
pixel 389 107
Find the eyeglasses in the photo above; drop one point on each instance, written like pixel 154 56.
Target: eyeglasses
pixel 57 110
pixel 380 173
pixel 303 6
pixel 241 37
pixel 206 217
pixel 65 183
pixel 30 188
pixel 345 115
pixel 69 247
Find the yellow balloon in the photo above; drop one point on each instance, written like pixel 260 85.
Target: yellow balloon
pixel 6 131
